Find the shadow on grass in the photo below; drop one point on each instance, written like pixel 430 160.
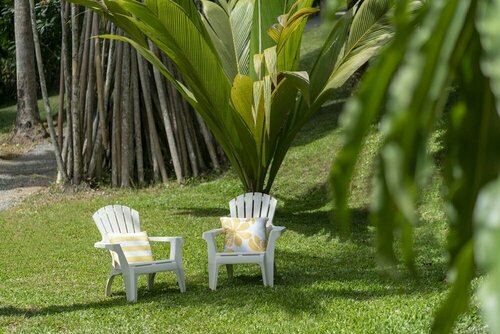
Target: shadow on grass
pixel 311 289
pixel 322 123
pixel 56 309
pixel 203 212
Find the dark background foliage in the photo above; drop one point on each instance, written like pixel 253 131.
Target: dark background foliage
pixel 49 28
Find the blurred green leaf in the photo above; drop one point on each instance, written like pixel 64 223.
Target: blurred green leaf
pixel 487 248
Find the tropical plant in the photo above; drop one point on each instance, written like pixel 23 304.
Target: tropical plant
pixel 240 58
pixel 451 42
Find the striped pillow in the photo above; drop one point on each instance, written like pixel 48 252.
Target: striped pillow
pixel 135 246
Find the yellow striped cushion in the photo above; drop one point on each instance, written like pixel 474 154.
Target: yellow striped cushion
pixel 135 246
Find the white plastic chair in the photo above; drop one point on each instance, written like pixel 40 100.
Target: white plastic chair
pixel 249 205
pixel 122 219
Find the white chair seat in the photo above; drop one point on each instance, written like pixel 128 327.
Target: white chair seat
pixel 240 254
pixel 122 219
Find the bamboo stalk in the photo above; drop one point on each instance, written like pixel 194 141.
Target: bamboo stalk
pixel 207 136
pixel 90 107
pixel 156 153
pixel 116 133
pixel 60 113
pixel 137 118
pixel 75 92
pixel 166 120
pixel 126 119
pixel 99 82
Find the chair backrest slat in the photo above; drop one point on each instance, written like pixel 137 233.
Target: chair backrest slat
pixel 232 207
pixel 127 219
pixel 257 204
pixel 135 221
pixel 264 209
pixel 110 213
pixel 102 224
pixel 253 205
pixel 116 219
pixel 120 218
pixel 240 207
pixel 272 208
pixel 248 200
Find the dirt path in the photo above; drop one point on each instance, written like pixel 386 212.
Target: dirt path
pixel 25 175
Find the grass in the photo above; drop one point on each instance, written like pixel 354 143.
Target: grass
pixel 52 279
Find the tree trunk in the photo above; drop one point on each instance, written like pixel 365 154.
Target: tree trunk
pixel 126 120
pixel 28 126
pixel 116 133
pixel 75 94
pixel 61 176
pixel 137 118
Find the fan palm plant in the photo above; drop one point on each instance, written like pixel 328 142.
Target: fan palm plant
pixel 239 61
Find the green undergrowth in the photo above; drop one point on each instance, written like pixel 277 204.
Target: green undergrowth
pixel 52 279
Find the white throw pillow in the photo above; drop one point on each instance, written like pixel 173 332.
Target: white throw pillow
pixel 244 234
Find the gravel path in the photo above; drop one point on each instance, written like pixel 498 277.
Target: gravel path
pixel 26 175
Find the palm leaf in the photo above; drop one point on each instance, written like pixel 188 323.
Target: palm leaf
pixel 369 31
pixel 230 32
pixel 181 40
pixel 219 27
pixel 241 26
pixel 264 16
pixel 329 53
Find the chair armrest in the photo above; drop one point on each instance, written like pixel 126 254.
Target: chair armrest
pixel 117 248
pixel 212 233
pixel 175 246
pixel 209 237
pixel 277 229
pixel 101 244
pixel 275 233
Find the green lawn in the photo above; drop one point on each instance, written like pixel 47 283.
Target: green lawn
pixel 52 279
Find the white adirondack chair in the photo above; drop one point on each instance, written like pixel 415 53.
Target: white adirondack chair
pixel 122 219
pixel 249 205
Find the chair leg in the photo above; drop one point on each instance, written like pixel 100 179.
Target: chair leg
pixel 229 271
pixel 264 274
pixel 180 279
pixel 109 282
pixel 270 273
pixel 130 280
pixel 151 281
pixel 213 269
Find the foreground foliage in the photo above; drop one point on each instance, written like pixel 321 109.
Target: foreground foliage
pixel 450 43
